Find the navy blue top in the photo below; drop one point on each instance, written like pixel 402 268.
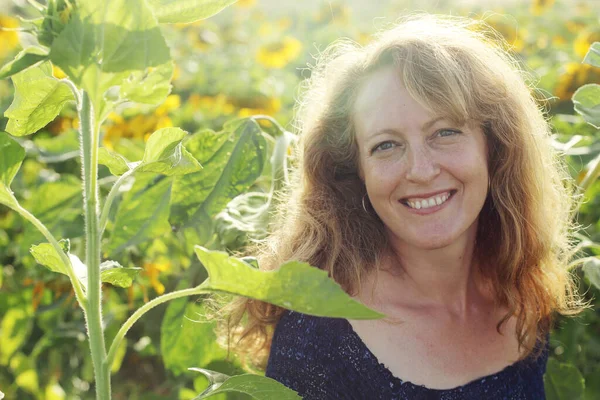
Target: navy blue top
pixel 324 358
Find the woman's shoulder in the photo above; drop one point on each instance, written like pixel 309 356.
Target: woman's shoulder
pixel 309 354
pixel 303 337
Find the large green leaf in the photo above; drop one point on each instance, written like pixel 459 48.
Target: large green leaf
pixel 166 155
pixel 39 97
pixel 143 213
pixel 104 41
pixel 593 55
pixel 232 161
pixel 587 103
pixel 28 57
pixel 184 341
pixel 149 87
pixel 11 157
pixel 258 387
pixel 184 11
pixel 295 285
pixel 563 381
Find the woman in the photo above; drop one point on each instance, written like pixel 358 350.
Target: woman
pixel 427 187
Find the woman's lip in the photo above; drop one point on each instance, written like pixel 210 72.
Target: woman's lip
pixel 430 210
pixel 428 195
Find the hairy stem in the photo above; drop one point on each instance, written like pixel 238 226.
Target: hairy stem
pixel 89 144
pixel 144 309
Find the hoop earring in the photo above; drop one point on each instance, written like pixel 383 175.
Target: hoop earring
pixel 363 203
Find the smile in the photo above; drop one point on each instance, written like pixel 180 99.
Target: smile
pixel 429 202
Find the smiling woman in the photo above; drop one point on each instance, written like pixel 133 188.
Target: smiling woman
pixel 427 187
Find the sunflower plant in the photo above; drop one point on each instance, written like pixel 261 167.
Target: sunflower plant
pixel 113 54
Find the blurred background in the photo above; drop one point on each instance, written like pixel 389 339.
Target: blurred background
pixel 250 59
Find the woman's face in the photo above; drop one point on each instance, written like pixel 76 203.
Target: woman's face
pixel 426 177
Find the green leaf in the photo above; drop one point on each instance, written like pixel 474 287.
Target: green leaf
pixel 46 255
pixel 587 103
pixel 149 87
pixel 58 206
pixel 183 340
pixel 39 97
pixel 184 11
pixel 16 327
pixel 104 41
pixel 593 55
pixel 143 213
pixel 563 381
pixel 58 148
pixel 592 271
pixel 28 57
pixel 11 157
pixel 258 387
pixel 245 217
pixel 114 273
pixel 166 155
pixel 116 163
pixel 232 161
pixel 295 285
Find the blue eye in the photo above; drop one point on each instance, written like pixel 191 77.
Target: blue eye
pixel 383 146
pixel 447 132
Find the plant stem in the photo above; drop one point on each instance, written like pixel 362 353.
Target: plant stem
pixel 89 144
pixel 79 294
pixel 144 309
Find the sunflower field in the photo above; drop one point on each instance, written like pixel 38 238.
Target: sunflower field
pixel 142 145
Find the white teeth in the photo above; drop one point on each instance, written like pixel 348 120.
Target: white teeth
pixel 426 203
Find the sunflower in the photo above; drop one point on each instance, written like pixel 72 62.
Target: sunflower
pixel 575 76
pixel 509 32
pixel 245 3
pixel 218 104
pixel 584 40
pixel 254 105
pixel 279 53
pixel 335 12
pixel 538 7
pixel 142 125
pixel 9 39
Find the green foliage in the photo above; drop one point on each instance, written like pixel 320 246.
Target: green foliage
pixel 587 103
pixel 39 97
pixel 258 387
pixel 186 339
pixel 12 157
pixel 47 256
pixel 563 382
pixel 166 155
pixel 184 11
pixel 28 57
pixel 231 275
pixel 157 202
pixel 114 273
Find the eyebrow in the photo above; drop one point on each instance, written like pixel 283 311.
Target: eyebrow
pixel 425 127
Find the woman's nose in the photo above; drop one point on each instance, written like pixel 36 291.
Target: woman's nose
pixel 422 165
